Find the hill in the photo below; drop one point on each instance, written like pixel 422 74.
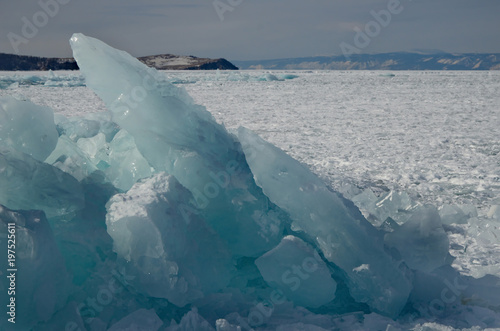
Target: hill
pixel 11 62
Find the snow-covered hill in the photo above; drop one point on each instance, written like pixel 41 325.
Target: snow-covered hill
pixel 386 61
pixel 11 62
pixel 175 62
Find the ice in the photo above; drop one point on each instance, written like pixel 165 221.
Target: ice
pixel 59 320
pixel 456 300
pixel 494 212
pixel 223 325
pixel 479 251
pixel 299 327
pixel 191 321
pixel 29 184
pixel 270 77
pixel 94 147
pixel 163 241
pixel 140 320
pixel 40 282
pixel 297 271
pixel 78 128
pixel 421 241
pixel 27 128
pixel 289 76
pixel 125 165
pixel 396 205
pixel 48 79
pixel 452 215
pixel 56 80
pixel 196 148
pixel 177 136
pixel 70 159
pixel 366 201
pixel 83 148
pixel 344 236
pixel 232 76
pixel 86 127
pixel 162 220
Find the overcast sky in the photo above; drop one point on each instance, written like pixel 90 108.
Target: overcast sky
pixel 250 29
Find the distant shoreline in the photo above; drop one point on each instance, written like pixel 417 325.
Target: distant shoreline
pixel 397 61
pixel 13 62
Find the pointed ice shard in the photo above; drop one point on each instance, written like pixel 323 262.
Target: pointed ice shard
pixel 345 237
pixel 183 139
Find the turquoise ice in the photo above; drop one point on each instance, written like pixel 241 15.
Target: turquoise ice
pixel 182 138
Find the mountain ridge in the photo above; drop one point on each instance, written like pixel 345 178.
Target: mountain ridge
pixel 382 61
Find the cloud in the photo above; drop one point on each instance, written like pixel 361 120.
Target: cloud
pixel 256 29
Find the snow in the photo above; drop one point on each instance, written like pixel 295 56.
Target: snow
pixel 178 61
pixel 416 152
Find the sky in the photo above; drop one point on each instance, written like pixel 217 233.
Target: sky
pixel 252 29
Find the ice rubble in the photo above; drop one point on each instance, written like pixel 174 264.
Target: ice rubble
pixel 229 76
pixel 42 284
pixel 166 252
pixel 53 79
pixel 27 128
pixel 204 158
pixel 30 184
pixel 49 79
pixel 166 221
pixel 337 228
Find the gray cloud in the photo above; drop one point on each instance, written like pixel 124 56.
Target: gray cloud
pixel 256 29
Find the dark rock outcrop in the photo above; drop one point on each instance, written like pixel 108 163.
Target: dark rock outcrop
pixel 10 62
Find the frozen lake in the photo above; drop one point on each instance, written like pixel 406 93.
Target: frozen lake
pixel 431 135
pixel 435 135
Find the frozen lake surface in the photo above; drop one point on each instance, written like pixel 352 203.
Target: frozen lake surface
pixel 435 135
pixel 432 135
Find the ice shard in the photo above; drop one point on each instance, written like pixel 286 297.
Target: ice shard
pixel 140 320
pixel 70 159
pixel 27 128
pixel 29 184
pixel 35 272
pixel 344 236
pixel 182 138
pixel 170 255
pixel 421 241
pixel 296 269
